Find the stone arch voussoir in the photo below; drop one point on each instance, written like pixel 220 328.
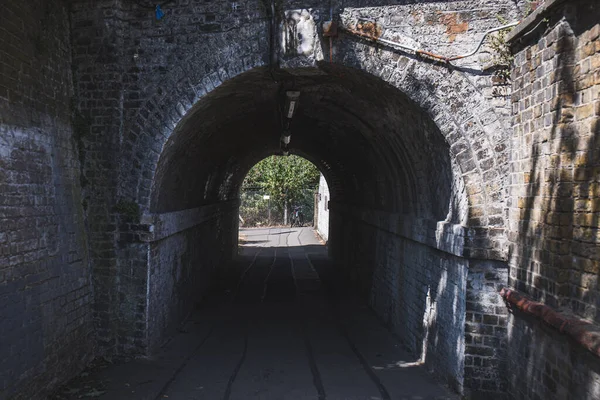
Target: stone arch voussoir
pixel 159 116
pixel 477 137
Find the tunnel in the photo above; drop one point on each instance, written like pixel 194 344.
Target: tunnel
pixel 376 148
pixel 459 142
pixel 392 182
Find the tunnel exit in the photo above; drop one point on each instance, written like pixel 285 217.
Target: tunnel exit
pixel 392 206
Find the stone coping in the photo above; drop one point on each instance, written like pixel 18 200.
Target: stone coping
pixel 585 333
pixel 533 18
pixel 441 235
pixel 167 224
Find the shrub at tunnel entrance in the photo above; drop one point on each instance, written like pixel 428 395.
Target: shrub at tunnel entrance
pixel 288 181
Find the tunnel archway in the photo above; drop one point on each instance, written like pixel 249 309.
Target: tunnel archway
pixel 373 144
pixel 398 200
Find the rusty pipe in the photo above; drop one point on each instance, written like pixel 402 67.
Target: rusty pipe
pixel 385 41
pixel 433 55
pixel 584 333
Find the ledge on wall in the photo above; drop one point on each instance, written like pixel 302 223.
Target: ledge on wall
pixel 528 23
pixel 444 236
pixel 163 225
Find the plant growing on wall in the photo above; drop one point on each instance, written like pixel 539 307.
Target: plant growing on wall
pixel 502 56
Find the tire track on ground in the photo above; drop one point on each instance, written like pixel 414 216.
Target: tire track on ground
pixel 312 362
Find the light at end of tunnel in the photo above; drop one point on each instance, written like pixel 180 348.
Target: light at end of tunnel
pixel 291 100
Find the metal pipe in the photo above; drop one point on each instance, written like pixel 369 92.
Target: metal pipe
pixel 483 39
pixel 388 42
pixel 425 52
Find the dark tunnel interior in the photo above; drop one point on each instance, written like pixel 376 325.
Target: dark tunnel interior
pixel 375 147
pixel 455 252
pixel 387 165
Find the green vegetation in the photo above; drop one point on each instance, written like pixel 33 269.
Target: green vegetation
pixel 502 54
pixel 289 181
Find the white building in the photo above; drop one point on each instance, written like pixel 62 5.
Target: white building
pixel 322 213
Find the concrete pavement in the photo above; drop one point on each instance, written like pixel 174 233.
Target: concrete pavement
pixel 278 329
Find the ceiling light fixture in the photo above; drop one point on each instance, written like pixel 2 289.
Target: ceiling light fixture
pixel 286 136
pixel 291 103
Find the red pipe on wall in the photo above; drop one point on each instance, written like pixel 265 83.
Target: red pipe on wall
pixel 583 332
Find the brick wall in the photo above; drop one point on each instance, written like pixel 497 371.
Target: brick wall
pixel 135 77
pixel 420 294
pixel 471 112
pixel 97 49
pixel 46 333
pixel 444 307
pixel 486 330
pixel 183 265
pixel 545 364
pixel 554 218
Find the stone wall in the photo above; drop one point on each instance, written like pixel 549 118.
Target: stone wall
pixel 46 328
pixel 554 213
pixel 134 78
pixel 186 252
pixel 486 330
pixel 420 294
pixel 137 81
pixel 444 307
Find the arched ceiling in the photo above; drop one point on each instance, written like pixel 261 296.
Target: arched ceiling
pixel 376 148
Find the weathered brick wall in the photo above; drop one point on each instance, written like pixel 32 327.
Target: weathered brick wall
pixel 421 285
pixel 468 104
pixel 97 48
pixel 545 364
pixel 46 325
pixel 137 78
pixel 182 267
pixel 486 330
pixel 554 214
pixel 420 294
pixel 134 77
